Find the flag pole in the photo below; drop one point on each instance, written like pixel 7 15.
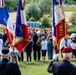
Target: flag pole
pixel 13 48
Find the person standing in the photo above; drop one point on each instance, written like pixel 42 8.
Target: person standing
pixel 50 45
pixel 50 48
pixel 28 50
pixel 7 67
pixel 43 48
pixel 65 67
pixel 73 45
pixel 35 38
pixel 38 43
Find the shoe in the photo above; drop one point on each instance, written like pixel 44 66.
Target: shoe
pixel 30 62
pixel 27 62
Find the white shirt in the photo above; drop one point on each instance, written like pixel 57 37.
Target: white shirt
pixel 44 45
pixel 62 43
pixel 73 45
pixel 1 44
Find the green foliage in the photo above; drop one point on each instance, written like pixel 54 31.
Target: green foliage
pixel 72 19
pixel 32 10
pixel 32 19
pixel 45 21
pixel 45 6
pixel 11 5
pixel 70 2
pixel 72 29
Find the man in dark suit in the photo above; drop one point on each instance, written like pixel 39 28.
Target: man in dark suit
pixel 35 38
pixel 64 67
pixel 7 67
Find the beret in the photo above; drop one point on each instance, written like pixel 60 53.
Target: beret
pixel 5 50
pixel 67 50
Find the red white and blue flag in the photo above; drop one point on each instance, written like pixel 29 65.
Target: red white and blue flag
pixel 21 33
pixel 5 21
pixel 59 24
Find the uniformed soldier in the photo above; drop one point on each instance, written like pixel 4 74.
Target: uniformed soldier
pixel 7 67
pixel 64 67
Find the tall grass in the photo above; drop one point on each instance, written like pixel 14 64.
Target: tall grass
pixel 70 8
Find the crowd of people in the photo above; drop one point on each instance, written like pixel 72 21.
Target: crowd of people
pixel 41 41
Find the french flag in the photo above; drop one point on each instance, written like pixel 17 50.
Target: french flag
pixel 59 28
pixel 5 21
pixel 21 32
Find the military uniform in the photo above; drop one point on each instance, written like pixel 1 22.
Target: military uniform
pixel 64 67
pixel 61 68
pixel 10 69
pixel 7 67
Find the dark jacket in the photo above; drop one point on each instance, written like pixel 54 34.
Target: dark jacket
pixel 29 47
pixel 61 68
pixel 10 69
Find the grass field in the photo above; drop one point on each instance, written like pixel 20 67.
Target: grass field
pixel 70 8
pixel 36 68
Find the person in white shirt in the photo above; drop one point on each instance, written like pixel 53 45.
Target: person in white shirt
pixel 73 45
pixel 65 42
pixel 43 48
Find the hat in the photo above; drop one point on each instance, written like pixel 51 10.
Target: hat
pixel 5 51
pixel 67 50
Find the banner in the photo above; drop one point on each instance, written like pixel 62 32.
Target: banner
pixel 59 23
pixel 22 35
pixel 5 21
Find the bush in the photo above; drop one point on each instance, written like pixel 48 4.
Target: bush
pixel 32 19
pixel 45 22
pixel 72 32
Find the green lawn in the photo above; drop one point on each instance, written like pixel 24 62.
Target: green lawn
pixel 36 68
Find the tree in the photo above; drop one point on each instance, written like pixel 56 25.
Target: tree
pixel 70 2
pixel 11 4
pixel 45 21
pixel 45 6
pixel 32 10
